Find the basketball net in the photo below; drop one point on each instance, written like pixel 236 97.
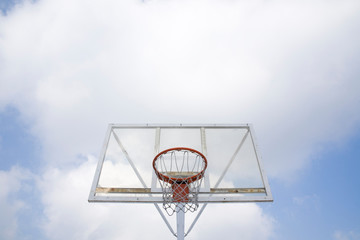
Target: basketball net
pixel 180 172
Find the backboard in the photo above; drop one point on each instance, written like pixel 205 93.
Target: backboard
pixel 234 172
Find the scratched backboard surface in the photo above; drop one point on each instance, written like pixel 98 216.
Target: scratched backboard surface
pixel 125 174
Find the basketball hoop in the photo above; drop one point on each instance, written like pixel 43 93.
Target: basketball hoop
pixel 180 171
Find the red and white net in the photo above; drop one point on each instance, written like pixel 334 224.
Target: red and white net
pixel 180 172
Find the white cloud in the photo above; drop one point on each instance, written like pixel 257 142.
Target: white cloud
pixel 350 235
pixel 12 182
pixel 234 221
pixel 283 66
pixel 291 68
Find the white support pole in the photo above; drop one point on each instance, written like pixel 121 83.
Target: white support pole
pixel 180 223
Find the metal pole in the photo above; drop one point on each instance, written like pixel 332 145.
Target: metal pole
pixel 180 223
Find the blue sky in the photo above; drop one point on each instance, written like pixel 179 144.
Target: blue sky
pixel 288 67
pixel 324 200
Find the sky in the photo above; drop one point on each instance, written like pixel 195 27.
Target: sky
pixel 69 68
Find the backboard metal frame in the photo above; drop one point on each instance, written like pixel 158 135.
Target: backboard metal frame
pixel 153 194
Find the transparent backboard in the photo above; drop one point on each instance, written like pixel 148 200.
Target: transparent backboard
pixel 125 172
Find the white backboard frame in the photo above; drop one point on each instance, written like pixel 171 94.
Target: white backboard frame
pixel 149 193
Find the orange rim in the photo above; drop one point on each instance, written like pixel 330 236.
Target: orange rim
pixel 179 180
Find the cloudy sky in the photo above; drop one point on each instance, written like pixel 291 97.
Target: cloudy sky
pixel 70 67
